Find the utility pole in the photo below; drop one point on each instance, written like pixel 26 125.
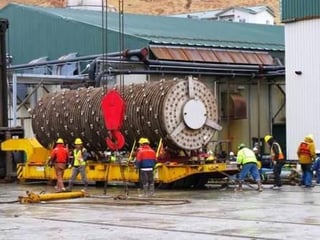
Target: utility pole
pixel 4 24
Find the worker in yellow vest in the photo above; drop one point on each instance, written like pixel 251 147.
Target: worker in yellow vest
pixel 80 156
pixel 248 162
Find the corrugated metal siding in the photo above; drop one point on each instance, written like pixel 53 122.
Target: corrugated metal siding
pixel 211 55
pixel 303 91
pixel 295 10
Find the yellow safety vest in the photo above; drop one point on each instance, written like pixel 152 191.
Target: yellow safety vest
pixel 246 155
pixel 78 158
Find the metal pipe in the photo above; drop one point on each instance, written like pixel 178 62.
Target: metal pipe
pixel 195 72
pixel 14 99
pixel 37 198
pixel 57 62
pixel 211 65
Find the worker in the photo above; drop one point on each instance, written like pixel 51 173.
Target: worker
pixel 210 156
pixel 306 153
pixel 145 162
pixel 232 158
pixel 248 162
pixel 316 166
pixel 277 158
pixel 59 158
pixel 80 156
pixel 256 151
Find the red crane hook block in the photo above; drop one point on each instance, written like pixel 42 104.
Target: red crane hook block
pixel 113 109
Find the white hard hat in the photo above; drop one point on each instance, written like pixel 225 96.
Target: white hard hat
pixel 231 153
pixel 255 149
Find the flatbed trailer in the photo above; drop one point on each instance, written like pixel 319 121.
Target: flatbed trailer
pixel 188 174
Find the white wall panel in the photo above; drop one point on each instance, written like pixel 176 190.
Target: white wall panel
pixel 302 41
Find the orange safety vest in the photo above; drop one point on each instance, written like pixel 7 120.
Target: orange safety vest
pixel 281 156
pixel 304 149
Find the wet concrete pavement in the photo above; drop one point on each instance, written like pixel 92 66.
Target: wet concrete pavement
pixel 290 213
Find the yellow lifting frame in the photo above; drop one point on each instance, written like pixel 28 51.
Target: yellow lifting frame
pixel 35 152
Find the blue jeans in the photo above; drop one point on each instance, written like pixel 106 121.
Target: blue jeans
pixel 306 178
pixel 249 168
pixel 75 172
pixel 318 176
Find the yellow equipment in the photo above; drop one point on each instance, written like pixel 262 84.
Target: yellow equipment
pixel 37 198
pixel 188 174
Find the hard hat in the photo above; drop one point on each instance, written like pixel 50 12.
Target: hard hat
pixel 78 141
pixel 231 154
pixel 242 145
pixel 144 141
pixel 210 152
pixel 60 140
pixel 255 149
pixel 267 138
pixel 309 137
pixel 318 151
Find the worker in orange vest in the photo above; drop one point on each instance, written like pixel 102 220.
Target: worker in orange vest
pixel 145 162
pixel 59 158
pixel 306 153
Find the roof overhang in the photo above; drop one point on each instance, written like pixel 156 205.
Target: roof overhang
pixel 211 55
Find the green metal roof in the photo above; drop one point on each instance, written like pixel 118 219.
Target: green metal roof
pixel 80 31
pixel 295 10
pixel 185 31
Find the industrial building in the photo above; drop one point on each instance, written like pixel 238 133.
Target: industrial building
pixel 242 64
pixel 302 36
pixel 52 33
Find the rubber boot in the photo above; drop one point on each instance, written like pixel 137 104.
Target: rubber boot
pixel 145 190
pixel 69 188
pixel 259 186
pixel 151 189
pixel 239 188
pixel 85 186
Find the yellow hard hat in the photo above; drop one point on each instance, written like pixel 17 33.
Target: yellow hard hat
pixel 60 140
pixel 144 141
pixel 267 138
pixel 78 141
pixel 309 137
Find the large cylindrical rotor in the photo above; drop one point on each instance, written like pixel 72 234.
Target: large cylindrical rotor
pixel 181 112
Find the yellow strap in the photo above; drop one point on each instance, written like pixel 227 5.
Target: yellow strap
pixel 132 149
pixel 159 148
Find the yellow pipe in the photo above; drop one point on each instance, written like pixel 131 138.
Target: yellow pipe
pixel 36 198
pixel 62 195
